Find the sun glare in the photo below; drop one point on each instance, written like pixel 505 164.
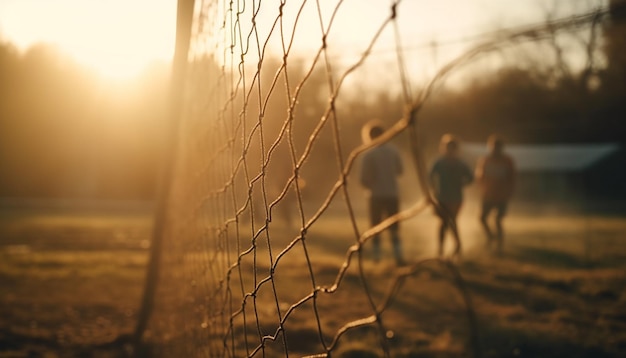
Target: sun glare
pixel 116 38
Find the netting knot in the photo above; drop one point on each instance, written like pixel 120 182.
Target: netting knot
pixel 280 8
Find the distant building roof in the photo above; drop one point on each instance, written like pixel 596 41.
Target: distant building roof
pixel 548 157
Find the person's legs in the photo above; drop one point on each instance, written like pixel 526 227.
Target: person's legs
pixel 454 212
pixel 397 248
pixel 447 214
pixel 376 211
pixel 392 208
pixel 443 227
pixel 376 248
pixel 484 215
pixel 501 212
pixel 457 239
pixel 456 235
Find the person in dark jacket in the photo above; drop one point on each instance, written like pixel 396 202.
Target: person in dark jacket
pixel 449 175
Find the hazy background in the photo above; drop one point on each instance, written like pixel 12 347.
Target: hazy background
pixel 83 90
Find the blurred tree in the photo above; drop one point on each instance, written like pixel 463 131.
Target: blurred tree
pixel 612 104
pixel 553 87
pixel 64 132
pixel 615 47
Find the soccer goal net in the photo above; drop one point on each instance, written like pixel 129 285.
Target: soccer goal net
pixel 266 241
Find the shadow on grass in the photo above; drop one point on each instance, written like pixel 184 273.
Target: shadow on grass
pixel 552 258
pixel 14 344
pixel 498 341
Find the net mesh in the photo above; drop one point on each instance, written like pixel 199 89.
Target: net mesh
pixel 266 242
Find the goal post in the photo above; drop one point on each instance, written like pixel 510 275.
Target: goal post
pixel 184 21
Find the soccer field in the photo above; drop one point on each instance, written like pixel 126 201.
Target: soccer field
pixel 70 284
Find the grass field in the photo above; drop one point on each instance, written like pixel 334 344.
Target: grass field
pixel 70 284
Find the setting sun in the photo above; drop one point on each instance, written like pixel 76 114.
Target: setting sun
pixel 116 38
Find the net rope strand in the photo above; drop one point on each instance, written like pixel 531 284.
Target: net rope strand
pixel 222 293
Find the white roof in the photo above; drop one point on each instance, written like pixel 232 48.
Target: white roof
pixel 548 157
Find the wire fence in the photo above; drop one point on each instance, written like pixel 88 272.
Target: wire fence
pixel 264 246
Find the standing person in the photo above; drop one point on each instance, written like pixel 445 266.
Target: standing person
pixel 448 176
pixel 380 168
pixel 495 174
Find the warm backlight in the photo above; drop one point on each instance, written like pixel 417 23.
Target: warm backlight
pixel 117 38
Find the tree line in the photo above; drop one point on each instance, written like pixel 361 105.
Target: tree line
pixel 65 132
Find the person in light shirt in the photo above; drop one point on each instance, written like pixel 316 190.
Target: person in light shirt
pixel 380 169
pixel 495 174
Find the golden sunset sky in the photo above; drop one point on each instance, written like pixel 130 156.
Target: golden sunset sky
pixel 119 38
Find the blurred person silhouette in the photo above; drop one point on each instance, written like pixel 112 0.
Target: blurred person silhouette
pixel 380 168
pixel 495 174
pixel 449 175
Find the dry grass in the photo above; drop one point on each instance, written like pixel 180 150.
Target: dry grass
pixel 69 284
